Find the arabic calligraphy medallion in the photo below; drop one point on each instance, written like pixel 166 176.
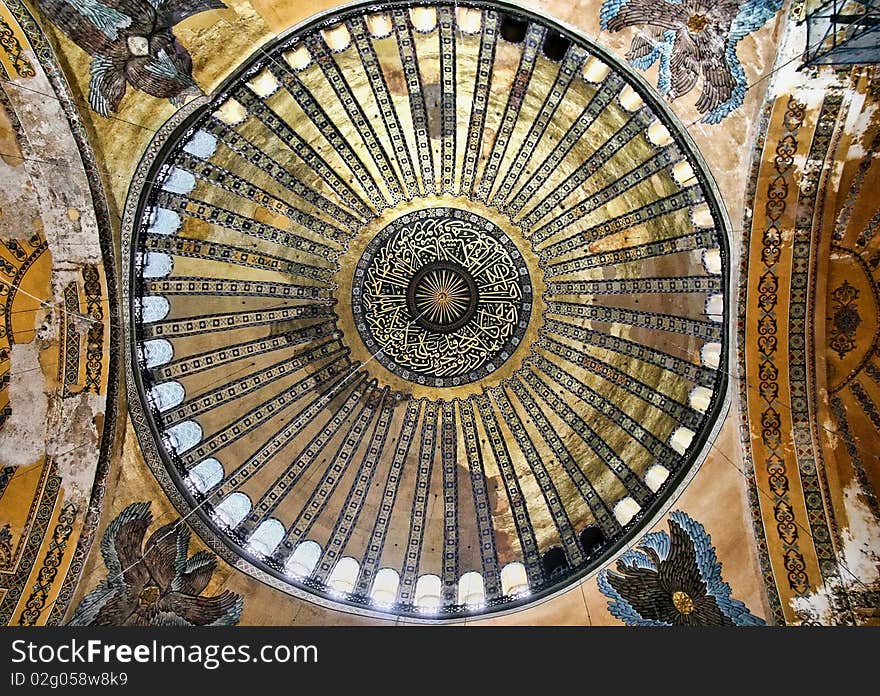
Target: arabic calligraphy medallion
pixel 441 297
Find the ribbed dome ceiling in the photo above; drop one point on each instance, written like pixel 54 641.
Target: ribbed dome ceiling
pixel 428 309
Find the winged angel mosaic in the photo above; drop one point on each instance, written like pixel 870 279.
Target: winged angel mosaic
pixel 131 43
pixel 157 583
pixel 673 580
pixel 692 39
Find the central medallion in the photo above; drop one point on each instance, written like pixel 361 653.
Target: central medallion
pixel 441 297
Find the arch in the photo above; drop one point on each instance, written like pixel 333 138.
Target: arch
pixel 513 29
pixel 206 474
pixel 514 579
pixel 555 46
pixel 625 510
pixel 429 592
pixel 157 264
pixel 469 21
pixel 266 537
pixel 715 307
pixel 683 173
pixel 424 19
pixel 702 216
pixel 592 539
pixel 656 476
pixel 336 37
pixel 379 25
pixel 157 352
pixel 659 134
pixel 471 589
pixel 595 70
pixel 700 398
pixel 344 575
pixel 299 58
pixel 304 559
pixel 166 395
pixel 385 587
pixel 201 145
pixel 230 511
pixel 154 308
pixel 630 99
pixel 182 436
pixel 710 354
pixel 554 561
pixel 231 112
pixel 712 261
pixel 681 439
pixel 164 221
pixel 179 181
pixel 263 83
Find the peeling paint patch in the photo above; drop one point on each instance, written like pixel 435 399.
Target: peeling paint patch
pixel 23 437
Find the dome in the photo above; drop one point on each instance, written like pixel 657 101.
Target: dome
pixel 444 291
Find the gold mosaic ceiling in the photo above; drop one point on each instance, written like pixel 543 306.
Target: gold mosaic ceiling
pixel 428 309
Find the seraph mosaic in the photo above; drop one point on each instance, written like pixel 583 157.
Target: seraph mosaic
pixel 132 44
pixel 673 579
pixel 692 39
pixel 157 583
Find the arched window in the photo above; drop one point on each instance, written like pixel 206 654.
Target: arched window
pixel 655 476
pixel 702 215
pixel 182 436
pixel 659 134
pixel 230 511
pixel 592 539
pixel 206 474
pixel 154 308
pixel 379 25
pixel 715 307
pixel 337 37
pixel 179 181
pixel 303 559
pixel 471 589
pixel 554 561
pixel 683 173
pixel 595 70
pixel 710 355
pixel 157 352
pixel 385 586
pixel 299 58
pixel 681 439
pixel 166 395
pixel 469 20
pixel 429 592
pixel 712 261
pixel 424 19
pixel 266 537
pixel 514 579
pixel 700 398
pixel 157 265
pixel 555 46
pixel 630 99
pixel 201 145
pixel 344 575
pixel 164 221
pixel 625 510
pixel 513 29
pixel 231 112
pixel 263 83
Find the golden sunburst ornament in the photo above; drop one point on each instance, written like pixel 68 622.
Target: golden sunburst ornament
pixel 443 296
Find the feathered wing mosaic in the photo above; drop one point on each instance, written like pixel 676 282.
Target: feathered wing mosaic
pixel 157 583
pixel 132 43
pixel 673 579
pixel 692 40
